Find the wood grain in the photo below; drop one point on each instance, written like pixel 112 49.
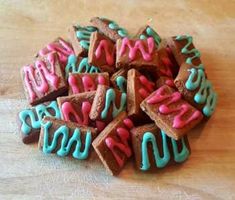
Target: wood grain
pixel 25 26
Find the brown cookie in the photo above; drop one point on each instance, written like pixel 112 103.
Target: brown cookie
pixel 119 80
pixel 66 138
pixel 43 80
pixel 170 112
pixel 153 149
pixel 113 144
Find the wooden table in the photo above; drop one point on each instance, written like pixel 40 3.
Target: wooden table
pixel 25 173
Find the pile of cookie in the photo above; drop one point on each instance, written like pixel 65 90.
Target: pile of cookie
pixel 125 96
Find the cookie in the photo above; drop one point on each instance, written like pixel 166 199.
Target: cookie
pixel 102 52
pixel 171 112
pixel 29 120
pixel 79 65
pixel 154 150
pixel 107 104
pixel 44 80
pixel 85 82
pixel 80 39
pixel 139 54
pixel 61 47
pixel 66 138
pixel 109 28
pixel 119 80
pixel 113 144
pixel 196 88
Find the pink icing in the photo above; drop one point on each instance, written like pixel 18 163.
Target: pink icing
pixel 73 83
pixel 147 87
pixel 108 55
pixel 101 80
pixel 88 83
pixel 128 123
pixel 100 125
pixel 138 46
pixel 167 66
pixel 40 70
pixel 68 112
pixel 62 48
pixel 160 95
pixel 170 83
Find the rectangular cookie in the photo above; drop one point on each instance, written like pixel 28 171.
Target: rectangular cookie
pixel 29 120
pixel 61 47
pixel 107 104
pixel 86 82
pixel 109 28
pixel 66 138
pixel 43 80
pixel 119 80
pixel 139 54
pixel 171 112
pixel 79 65
pixel 102 52
pixel 138 88
pixel 80 39
pixel 113 144
pixel 153 149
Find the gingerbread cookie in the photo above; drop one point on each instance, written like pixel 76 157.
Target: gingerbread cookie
pixel 170 112
pixel 43 80
pixel 153 149
pixel 66 138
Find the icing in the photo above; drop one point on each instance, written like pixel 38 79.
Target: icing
pixel 83 66
pixel 161 162
pixel 84 34
pixel 167 66
pixel 121 83
pixel 67 142
pixel 62 48
pixel 186 51
pixel 181 111
pixel 88 83
pixel 151 33
pixel 109 56
pixel 110 97
pixel 123 146
pixel 138 46
pixel 41 110
pixel 69 113
pixel 36 77
pixel 205 94
pixel 146 87
pixel 121 31
pixel 170 83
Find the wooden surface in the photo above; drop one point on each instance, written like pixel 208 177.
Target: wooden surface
pixel 25 173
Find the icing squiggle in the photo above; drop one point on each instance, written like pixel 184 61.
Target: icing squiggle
pixel 62 48
pixel 69 113
pixel 83 66
pixel 67 142
pixel 121 83
pixel 180 111
pixel 110 98
pixel 84 34
pixel 151 33
pixel 103 44
pixel 35 118
pixel 147 87
pixel 121 31
pixel 205 94
pixel 161 162
pixel 138 46
pixel 186 51
pixel 36 77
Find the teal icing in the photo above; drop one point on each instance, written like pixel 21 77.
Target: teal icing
pixel 151 33
pixel 121 31
pixel 83 66
pixel 121 83
pixel 205 94
pixel 159 161
pixel 185 49
pixel 83 34
pixel 110 97
pixel 66 142
pixel 36 117
pixel 162 161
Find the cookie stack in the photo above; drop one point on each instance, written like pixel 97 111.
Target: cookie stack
pixel 125 96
